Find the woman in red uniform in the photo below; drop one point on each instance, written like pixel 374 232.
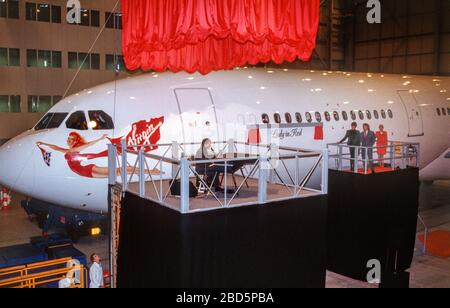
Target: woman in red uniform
pixel 382 143
pixel 74 158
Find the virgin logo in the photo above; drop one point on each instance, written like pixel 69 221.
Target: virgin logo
pixel 145 133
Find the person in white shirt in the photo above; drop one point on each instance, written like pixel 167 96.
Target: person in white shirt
pixel 96 273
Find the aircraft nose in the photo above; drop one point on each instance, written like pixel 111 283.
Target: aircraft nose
pixel 16 166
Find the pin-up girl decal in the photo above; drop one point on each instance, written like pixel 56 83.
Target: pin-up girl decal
pixel 75 159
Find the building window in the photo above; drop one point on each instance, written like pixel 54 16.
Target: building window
pixel 308 117
pixel 111 63
pixel 88 18
pixel 10 103
pixel 56 14
pixel 9 9
pixel 345 115
pixel 43 58
pixel 86 61
pixel 111 22
pixel 43 12
pixel 298 117
pixel 9 56
pixel 265 118
pixel 288 117
pixel 95 18
pixel 327 116
pixel 41 104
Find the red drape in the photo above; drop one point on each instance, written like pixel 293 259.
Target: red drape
pixel 207 35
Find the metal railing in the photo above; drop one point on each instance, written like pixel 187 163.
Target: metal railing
pixel 398 155
pixel 264 165
pixel 42 273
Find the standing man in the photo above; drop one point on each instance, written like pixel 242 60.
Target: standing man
pixel 353 138
pixel 368 140
pixel 96 273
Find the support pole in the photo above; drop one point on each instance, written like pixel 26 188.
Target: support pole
pixel 124 174
pixel 184 183
pixel 112 164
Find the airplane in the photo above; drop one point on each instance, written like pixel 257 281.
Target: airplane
pixel 62 159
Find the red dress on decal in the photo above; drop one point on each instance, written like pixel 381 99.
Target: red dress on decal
pixel 382 141
pixel 74 161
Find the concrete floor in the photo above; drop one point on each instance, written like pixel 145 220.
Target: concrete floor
pixel 426 271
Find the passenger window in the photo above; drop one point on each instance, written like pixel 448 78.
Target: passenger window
pixel 376 114
pixel 438 111
pixel 327 116
pixel 100 120
pixel 353 115
pixel 444 112
pixel 77 120
pixel 265 118
pixel 383 114
pixel 51 121
pixel 361 115
pixel 369 115
pixel 308 117
pixel 318 117
pixel 448 111
pixel 336 116
pixel 288 118
pixel 298 117
pixel 277 118
pixel 345 115
pixel 391 114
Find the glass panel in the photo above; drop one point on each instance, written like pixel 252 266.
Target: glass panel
pixel 3 10
pixel 45 103
pixel 361 115
pixel 43 12
pixel 85 17
pixel 4 103
pixel 298 117
pixel 31 57
pixel 84 60
pixel 56 99
pixel 56 14
pixel 277 118
pixel 3 56
pixel 44 58
pixel 73 60
pixel 336 116
pixel 444 112
pixel 109 20
pixel 376 114
pixel 369 115
pixel 353 115
pixel 391 114
pixel 32 103
pixel 265 118
pixel 14 103
pixel 121 64
pixel 77 121
pixel 51 120
pixel 345 115
pixel 109 62
pixel 288 118
pixel 383 114
pixel 30 9
pixel 13 9
pixel 56 59
pixel 118 21
pixel 95 61
pixel 95 18
pixel 100 120
pixel 327 116
pixel 308 117
pixel 14 57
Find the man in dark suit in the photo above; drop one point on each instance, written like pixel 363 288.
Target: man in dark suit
pixel 353 138
pixel 368 139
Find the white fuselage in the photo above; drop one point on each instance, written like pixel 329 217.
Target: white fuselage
pixel 195 106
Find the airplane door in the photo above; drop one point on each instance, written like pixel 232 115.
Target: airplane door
pixel 198 114
pixel 414 113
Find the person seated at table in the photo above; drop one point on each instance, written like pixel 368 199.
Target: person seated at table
pixel 210 172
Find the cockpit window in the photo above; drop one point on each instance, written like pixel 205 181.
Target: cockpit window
pixel 77 120
pixel 51 121
pixel 100 120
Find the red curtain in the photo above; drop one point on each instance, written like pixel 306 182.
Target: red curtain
pixel 207 35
